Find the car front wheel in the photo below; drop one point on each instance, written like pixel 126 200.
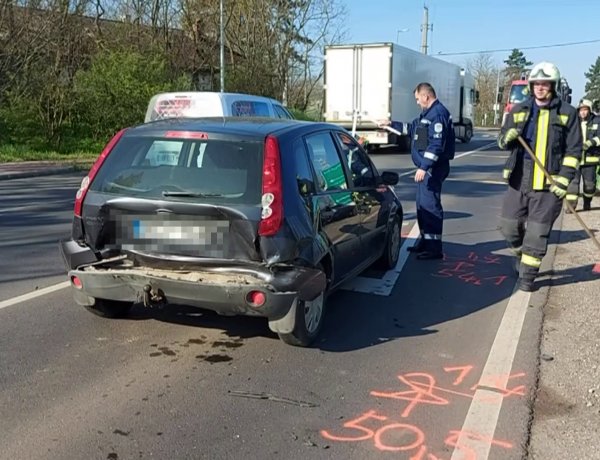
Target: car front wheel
pixel 391 252
pixel 308 321
pixel 109 308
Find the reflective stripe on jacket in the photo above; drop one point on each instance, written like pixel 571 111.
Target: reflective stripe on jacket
pixel 557 140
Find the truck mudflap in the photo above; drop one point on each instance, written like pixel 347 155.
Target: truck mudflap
pixel 224 289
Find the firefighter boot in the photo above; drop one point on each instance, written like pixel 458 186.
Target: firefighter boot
pixel 526 285
pixel 587 203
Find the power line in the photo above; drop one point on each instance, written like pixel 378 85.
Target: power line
pixel 522 48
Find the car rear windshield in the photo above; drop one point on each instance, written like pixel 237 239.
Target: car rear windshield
pixel 214 171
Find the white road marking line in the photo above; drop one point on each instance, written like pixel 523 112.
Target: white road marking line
pixel 34 294
pixel 484 411
pixel 383 286
pixel 464 154
pixel 484 147
pixel 475 181
pixel 503 157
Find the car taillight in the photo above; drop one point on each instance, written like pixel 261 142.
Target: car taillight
pixel 87 180
pixel 272 190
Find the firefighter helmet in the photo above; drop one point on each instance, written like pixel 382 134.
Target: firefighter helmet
pixel 545 71
pixel 585 103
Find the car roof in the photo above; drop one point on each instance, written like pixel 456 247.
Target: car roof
pixel 219 95
pixel 250 126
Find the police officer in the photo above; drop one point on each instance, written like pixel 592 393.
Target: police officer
pixel 590 127
pixel 432 148
pixel 552 130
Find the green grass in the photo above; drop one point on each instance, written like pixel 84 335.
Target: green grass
pixel 16 153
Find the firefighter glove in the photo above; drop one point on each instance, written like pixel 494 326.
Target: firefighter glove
pixel 511 135
pixel 558 190
pixel 587 144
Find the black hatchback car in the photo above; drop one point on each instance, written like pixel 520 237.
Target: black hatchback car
pixel 241 216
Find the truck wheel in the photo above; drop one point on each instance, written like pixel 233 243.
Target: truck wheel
pixel 109 308
pixel 391 251
pixel 468 134
pixel 308 322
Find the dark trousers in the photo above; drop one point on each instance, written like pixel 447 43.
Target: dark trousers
pixel 430 214
pixel 526 222
pixel 588 174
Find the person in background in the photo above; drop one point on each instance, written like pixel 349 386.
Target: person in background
pixel 590 128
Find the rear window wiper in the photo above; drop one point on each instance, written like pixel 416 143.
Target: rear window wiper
pixel 190 194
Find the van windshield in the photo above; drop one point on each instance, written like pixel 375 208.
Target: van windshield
pixel 183 169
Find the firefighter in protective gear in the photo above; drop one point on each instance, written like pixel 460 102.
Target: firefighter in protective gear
pixel 432 148
pixel 590 158
pixel 531 205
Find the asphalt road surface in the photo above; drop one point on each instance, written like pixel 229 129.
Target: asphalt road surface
pixel 435 360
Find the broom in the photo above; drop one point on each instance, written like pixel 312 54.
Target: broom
pixel 551 180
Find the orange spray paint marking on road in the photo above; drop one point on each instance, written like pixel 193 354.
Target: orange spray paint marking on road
pixel 421 392
pixel 418 434
pixel 355 425
pixel 389 435
pixel 469 270
pixel 464 372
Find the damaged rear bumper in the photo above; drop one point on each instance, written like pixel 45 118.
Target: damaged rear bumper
pixel 223 289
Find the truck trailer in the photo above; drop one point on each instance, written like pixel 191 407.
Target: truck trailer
pixel 365 83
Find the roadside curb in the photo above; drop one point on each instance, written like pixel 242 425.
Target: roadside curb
pixel 36 173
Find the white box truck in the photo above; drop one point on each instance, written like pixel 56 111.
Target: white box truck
pixel 368 82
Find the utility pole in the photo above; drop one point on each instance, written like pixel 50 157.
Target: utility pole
pixel 425 28
pixel 222 47
pixel 497 100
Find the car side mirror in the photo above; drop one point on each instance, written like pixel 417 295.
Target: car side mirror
pixel 390 177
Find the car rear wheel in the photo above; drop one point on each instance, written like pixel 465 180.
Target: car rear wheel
pixel 110 308
pixel 308 322
pixel 391 252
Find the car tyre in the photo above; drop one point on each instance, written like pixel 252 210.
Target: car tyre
pixel 308 322
pixel 391 252
pixel 110 308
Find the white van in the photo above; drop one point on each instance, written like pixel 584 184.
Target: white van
pixel 195 104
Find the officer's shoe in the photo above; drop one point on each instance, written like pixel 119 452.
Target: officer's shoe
pixel 428 255
pixel 587 204
pixel 419 247
pixel 526 285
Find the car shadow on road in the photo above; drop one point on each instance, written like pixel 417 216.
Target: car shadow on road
pixel 428 293
pixel 470 278
pixel 238 327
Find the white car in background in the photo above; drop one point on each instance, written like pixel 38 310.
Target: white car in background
pixel 198 104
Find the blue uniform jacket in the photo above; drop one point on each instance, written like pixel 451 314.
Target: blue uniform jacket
pixel 432 136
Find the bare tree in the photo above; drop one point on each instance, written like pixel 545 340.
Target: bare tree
pixel 486 74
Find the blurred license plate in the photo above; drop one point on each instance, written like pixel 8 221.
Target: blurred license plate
pixel 181 232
